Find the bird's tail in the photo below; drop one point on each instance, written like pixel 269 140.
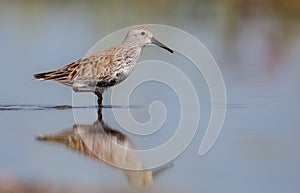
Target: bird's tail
pixel 63 74
pixel 52 75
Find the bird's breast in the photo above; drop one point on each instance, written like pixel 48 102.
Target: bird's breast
pixel 125 66
pixel 123 73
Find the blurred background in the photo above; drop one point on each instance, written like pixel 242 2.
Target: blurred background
pixel 255 43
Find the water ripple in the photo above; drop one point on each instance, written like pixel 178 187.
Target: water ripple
pixel 33 107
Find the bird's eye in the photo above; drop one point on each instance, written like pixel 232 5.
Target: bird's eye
pixel 142 33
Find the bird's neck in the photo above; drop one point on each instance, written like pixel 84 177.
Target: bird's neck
pixel 132 48
pixel 129 42
pixel 134 52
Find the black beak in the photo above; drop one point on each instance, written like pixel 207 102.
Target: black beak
pixel 156 42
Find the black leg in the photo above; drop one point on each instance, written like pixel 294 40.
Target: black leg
pixel 99 113
pixel 99 95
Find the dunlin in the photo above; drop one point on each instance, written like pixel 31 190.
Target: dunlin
pixel 105 68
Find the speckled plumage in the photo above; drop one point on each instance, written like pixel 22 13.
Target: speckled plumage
pixel 112 64
pixel 105 68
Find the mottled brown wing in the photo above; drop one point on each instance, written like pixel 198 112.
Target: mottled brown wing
pixel 62 74
pixel 93 67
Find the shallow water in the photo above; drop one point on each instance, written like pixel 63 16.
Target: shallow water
pixel 256 50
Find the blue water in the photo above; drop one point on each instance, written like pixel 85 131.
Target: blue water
pixel 257 53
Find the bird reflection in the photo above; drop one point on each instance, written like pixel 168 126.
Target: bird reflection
pixel 100 142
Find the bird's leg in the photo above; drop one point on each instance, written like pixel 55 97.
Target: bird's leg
pixel 99 113
pixel 98 93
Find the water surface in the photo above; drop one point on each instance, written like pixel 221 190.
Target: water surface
pixel 256 47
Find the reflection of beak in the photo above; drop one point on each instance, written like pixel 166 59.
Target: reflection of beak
pixel 162 169
pixel 156 42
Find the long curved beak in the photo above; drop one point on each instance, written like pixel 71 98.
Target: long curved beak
pixel 158 43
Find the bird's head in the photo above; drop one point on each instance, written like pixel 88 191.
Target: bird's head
pixel 142 36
